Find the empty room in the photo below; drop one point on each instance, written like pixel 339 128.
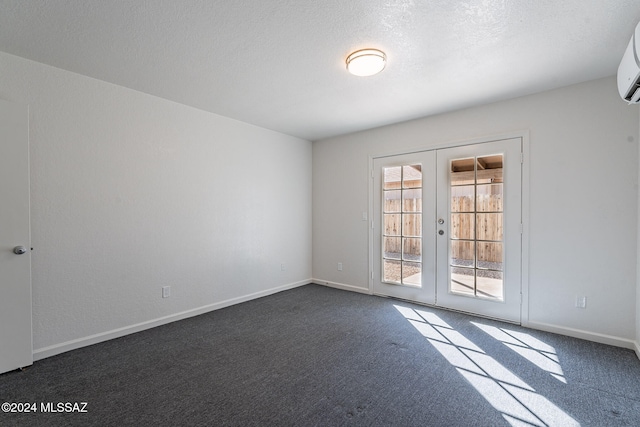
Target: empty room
pixel 319 213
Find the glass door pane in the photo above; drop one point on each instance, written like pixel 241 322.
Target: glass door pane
pixel 402 230
pixel 476 231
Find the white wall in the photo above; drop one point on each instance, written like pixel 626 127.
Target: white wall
pixel 130 193
pixel 583 198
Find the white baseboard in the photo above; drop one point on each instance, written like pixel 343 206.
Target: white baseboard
pixel 52 350
pixel 55 349
pixel 341 286
pixel 585 335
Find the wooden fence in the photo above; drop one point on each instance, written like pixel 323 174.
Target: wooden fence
pixel 484 223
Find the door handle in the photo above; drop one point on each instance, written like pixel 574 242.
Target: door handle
pixel 19 250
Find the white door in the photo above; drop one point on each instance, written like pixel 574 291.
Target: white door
pixel 404 225
pixel 479 229
pixel 16 349
pixel 466 253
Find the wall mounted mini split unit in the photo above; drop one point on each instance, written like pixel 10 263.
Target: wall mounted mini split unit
pixel 629 70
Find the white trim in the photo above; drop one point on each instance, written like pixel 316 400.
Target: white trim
pixel 370 236
pixel 55 349
pixel 636 348
pixel 342 286
pixel 586 335
pixel 455 143
pixel 524 274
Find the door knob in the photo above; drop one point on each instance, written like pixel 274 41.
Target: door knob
pixel 19 250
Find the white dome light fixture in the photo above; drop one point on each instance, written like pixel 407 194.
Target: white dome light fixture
pixel 366 62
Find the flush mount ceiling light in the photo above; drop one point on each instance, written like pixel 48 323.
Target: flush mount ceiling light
pixel 366 62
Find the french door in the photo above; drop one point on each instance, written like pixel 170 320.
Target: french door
pixel 404 226
pixel 447 228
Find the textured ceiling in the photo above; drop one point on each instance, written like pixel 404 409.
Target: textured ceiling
pixel 279 64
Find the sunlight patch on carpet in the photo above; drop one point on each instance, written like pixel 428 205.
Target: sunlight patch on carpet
pixel 518 403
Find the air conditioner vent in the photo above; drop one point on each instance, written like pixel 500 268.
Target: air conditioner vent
pixel 634 92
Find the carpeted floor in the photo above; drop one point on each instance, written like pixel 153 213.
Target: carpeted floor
pixel 315 356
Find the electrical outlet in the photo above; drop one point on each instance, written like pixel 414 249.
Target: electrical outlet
pixel 339 266
pixel 166 291
pixel 581 302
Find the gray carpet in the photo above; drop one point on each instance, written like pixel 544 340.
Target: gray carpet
pixel 315 356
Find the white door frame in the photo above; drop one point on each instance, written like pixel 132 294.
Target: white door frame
pixel 524 135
